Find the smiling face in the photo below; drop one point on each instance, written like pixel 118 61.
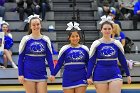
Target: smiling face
pixel 35 25
pixel 4 28
pixel 74 38
pixel 106 29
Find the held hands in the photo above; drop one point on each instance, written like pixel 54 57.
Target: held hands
pixel 89 81
pixel 129 79
pixel 21 79
pixel 52 78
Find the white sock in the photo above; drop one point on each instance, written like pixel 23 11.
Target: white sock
pixel 14 65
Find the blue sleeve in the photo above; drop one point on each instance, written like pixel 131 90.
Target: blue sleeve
pixel 22 47
pixel 59 64
pixel 122 35
pixel 21 63
pixel 123 62
pixel 49 53
pixel 87 59
pixel 49 59
pixel 91 65
pixel 136 7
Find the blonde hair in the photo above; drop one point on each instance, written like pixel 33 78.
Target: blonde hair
pixel 116 29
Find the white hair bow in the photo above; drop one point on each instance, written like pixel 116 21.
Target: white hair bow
pixel 4 22
pixel 106 18
pixel 33 16
pixel 73 25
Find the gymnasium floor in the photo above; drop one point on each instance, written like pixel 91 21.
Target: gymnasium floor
pixel 133 88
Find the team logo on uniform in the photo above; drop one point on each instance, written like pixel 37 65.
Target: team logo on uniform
pixel 84 81
pixel 37 48
pixel 107 51
pixel 120 76
pixel 75 55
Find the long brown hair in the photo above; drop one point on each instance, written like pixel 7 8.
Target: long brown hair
pixel 29 28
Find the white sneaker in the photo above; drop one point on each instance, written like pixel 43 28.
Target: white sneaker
pixel 14 65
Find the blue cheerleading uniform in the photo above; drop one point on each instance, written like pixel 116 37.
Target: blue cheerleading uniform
pixel 103 62
pixel 121 37
pixel 33 55
pixel 75 61
pixel 8 41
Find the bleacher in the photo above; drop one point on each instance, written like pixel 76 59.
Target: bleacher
pixel 9 75
pixel 59 16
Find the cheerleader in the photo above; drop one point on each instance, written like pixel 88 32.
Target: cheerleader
pixel 74 57
pixel 105 53
pixel 34 51
pixel 118 34
pixel 8 43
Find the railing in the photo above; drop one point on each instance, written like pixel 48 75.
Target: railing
pixel 76 17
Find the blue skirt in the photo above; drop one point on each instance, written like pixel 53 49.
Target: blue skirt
pixel 35 70
pixel 73 79
pixel 106 74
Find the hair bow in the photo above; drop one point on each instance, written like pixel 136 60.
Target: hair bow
pixel 4 22
pixel 73 25
pixel 106 18
pixel 33 16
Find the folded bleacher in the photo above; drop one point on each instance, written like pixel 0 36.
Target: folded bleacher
pixel 59 16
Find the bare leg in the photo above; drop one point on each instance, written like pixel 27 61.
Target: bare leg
pixel 7 53
pixel 41 87
pixel 30 87
pixel 102 88
pixel 5 61
pixel 115 86
pixel 81 89
pixel 69 90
